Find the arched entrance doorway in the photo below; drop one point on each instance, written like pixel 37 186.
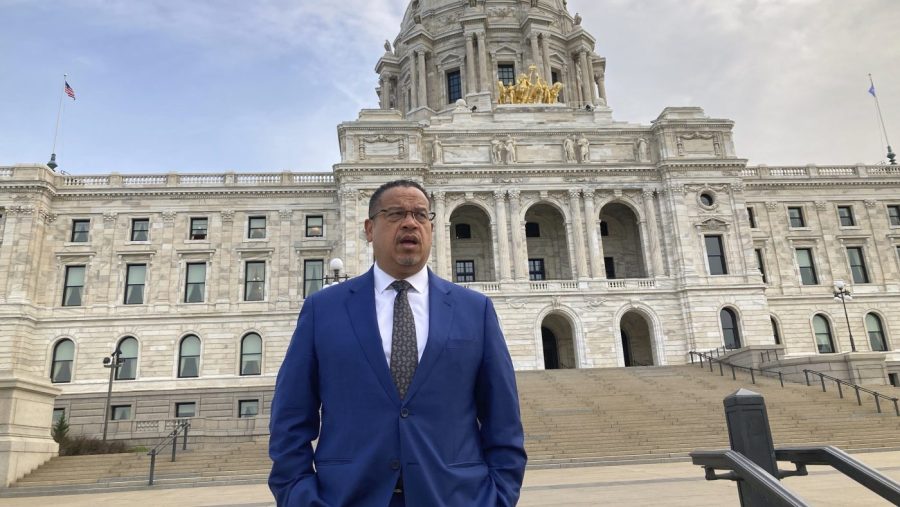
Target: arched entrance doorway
pixel 471 245
pixel 620 233
pixel 637 340
pixel 558 343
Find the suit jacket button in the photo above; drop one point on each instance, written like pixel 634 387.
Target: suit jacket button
pixel 404 412
pixel 395 464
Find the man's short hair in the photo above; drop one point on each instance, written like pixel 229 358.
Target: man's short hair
pixel 376 197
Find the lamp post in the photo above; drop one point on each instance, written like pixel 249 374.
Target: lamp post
pixel 336 265
pixel 843 295
pixel 113 362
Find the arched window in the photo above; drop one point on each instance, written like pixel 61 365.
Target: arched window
pixel 824 339
pixel 189 357
pixel 251 354
pixel 775 332
pixel 63 358
pixel 730 332
pixel 128 355
pixel 876 333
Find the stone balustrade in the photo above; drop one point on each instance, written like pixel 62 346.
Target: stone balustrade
pixel 813 171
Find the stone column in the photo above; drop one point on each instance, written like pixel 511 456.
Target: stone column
pixel 586 77
pixel 601 87
pixel 441 242
pixel 545 52
pixel 482 62
pixel 578 234
pixel 423 79
pixel 470 63
pixel 386 92
pixel 535 53
pixel 519 244
pixel 502 235
pixel 655 253
pixel 591 220
pixel 592 80
pixel 413 78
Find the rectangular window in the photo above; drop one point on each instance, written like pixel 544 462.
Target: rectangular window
pixel 762 265
pixel 454 86
pixel 715 254
pixel 465 271
pixel 857 265
pixel 80 230
pixel 554 77
pixel 313 276
pixel 894 215
pixel 845 214
pixel 256 228
pixel 58 413
pixel 807 267
pixel 795 215
pixel 751 215
pixel 74 286
pixel 536 269
pixel 120 412
pixel 315 226
pixel 604 229
pixel 532 230
pixel 140 229
pixel 195 282
pixel 609 264
pixel 506 72
pixel 255 281
pixel 188 409
pixel 135 278
pixel 199 228
pixel 248 408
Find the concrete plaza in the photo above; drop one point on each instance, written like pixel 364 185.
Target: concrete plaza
pixel 670 484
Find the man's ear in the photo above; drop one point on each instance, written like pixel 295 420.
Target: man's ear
pixel 369 226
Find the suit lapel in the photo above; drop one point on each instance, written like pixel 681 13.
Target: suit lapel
pixel 440 317
pixel 361 314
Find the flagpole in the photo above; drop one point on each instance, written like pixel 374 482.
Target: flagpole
pixel 890 153
pixel 52 164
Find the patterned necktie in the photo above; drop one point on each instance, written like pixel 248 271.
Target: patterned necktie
pixel 404 351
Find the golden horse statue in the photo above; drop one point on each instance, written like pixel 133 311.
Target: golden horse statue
pixel 529 89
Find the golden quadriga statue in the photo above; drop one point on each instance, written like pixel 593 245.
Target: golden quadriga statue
pixel 529 89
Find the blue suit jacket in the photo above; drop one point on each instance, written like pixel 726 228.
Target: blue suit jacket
pixel 457 437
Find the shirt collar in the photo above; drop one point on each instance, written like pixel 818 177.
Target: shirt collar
pixel 383 281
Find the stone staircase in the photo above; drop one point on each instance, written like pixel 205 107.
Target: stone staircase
pixel 571 417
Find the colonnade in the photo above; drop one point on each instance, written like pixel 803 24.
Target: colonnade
pixel 582 233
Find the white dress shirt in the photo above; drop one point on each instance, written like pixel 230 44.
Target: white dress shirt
pixel 384 308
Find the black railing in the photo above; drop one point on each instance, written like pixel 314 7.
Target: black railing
pixel 876 396
pixel 733 367
pixel 181 428
pixel 765 356
pixel 753 460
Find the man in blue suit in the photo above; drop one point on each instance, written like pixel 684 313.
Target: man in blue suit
pixel 404 379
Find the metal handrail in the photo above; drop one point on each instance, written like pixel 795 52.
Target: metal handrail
pixel 877 396
pixel 767 354
pixel 181 428
pixel 844 463
pixel 749 473
pixel 710 360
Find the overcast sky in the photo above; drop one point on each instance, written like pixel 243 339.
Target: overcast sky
pixel 237 85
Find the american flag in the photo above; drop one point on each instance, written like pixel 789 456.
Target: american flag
pixel 69 91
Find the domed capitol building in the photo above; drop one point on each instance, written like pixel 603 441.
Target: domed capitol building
pixel 603 243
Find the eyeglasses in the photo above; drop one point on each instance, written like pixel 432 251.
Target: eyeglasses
pixel 399 214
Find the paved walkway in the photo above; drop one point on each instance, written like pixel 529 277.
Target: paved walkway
pixel 671 484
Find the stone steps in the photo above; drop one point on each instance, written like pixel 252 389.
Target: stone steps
pixel 571 418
